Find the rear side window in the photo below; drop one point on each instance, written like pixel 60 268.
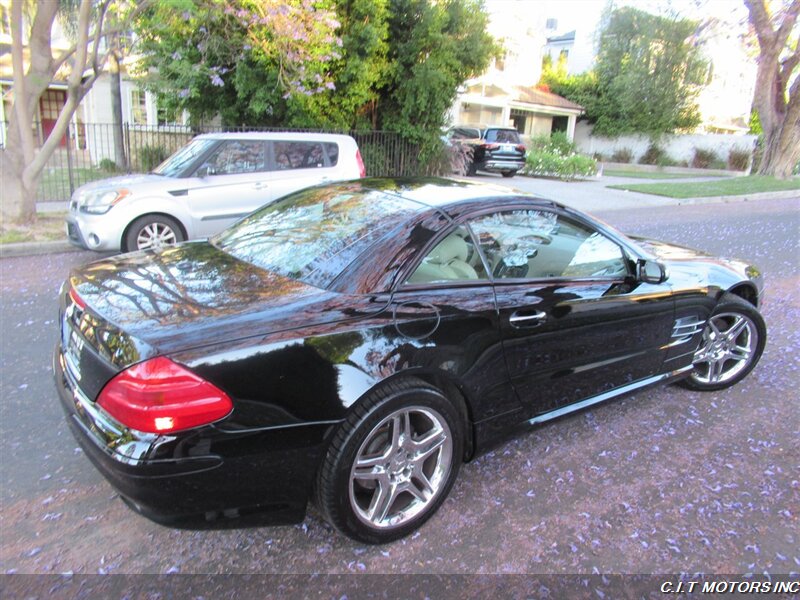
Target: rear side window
pixel 502 136
pixel 332 148
pixel 304 155
pixel 462 133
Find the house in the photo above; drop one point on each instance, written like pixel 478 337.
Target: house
pixel 91 126
pixel 506 94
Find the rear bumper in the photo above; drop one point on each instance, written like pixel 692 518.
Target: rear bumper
pixel 266 485
pixel 496 165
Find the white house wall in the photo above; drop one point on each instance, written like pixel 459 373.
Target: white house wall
pixel 678 147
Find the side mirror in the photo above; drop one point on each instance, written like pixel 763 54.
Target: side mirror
pixel 650 271
pixel 206 170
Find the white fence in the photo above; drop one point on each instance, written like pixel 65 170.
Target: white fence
pixel 679 147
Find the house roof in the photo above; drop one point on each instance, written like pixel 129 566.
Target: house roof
pixel 537 96
pixel 521 94
pixel 564 37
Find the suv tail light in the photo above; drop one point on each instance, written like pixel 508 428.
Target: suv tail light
pixel 362 170
pixel 161 396
pixel 520 147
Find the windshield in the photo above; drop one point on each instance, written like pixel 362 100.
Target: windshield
pixel 314 234
pixel 176 164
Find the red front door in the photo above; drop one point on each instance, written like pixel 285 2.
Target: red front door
pixel 50 105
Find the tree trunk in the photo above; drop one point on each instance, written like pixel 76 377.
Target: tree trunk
pixel 19 201
pixel 116 110
pixel 781 151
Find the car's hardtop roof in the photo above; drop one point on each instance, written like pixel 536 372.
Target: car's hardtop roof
pixel 440 193
pixel 273 135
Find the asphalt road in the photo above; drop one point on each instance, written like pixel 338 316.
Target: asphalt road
pixel 662 481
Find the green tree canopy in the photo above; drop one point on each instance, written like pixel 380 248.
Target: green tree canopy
pixel 391 64
pixel 649 70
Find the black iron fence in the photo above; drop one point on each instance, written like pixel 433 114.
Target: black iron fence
pixel 88 152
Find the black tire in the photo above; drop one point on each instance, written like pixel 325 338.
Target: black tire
pixel 727 352
pixel 508 174
pixel 345 499
pixel 167 229
pixel 472 169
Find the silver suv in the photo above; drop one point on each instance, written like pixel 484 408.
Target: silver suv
pixel 205 186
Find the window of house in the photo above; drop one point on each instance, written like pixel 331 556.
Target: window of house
pixel 138 107
pixel 5 20
pixel 50 104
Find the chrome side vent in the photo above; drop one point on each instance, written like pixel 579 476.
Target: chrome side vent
pixel 686 328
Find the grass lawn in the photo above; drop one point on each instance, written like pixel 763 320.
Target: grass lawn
pixel 653 175
pixel 48 227
pixel 731 186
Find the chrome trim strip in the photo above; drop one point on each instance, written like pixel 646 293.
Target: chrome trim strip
pixel 554 414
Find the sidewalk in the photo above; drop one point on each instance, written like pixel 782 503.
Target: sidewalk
pixel 593 195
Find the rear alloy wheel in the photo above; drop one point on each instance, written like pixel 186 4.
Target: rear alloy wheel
pixel 152 232
pixel 732 344
pixel 392 463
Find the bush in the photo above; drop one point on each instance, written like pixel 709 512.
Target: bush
pixel 665 160
pixel 703 158
pixel 598 156
pixel 738 159
pixel 554 164
pixel 109 166
pixel 451 158
pixel 622 155
pixel 652 155
pixel 151 156
pixel 557 143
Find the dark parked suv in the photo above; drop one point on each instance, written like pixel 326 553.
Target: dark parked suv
pixel 494 149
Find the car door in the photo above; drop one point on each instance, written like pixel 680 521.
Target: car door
pixel 298 164
pixel 445 320
pixel 575 322
pixel 231 183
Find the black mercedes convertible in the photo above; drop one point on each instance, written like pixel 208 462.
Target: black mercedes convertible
pixel 353 344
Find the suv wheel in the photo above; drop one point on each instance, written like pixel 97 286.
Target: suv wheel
pixel 509 173
pixel 152 232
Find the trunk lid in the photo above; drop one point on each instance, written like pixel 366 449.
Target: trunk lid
pixel 186 296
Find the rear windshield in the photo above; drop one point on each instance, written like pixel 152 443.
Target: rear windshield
pixel 502 136
pixel 314 234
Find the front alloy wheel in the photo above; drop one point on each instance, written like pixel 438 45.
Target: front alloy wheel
pixel 732 344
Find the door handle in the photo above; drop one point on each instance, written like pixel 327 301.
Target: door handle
pixel 520 319
pixel 260 185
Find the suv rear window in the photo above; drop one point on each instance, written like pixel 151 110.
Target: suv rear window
pixel 304 155
pixel 503 136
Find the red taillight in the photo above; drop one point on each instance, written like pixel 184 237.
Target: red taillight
pixel 362 170
pixel 160 396
pixel 520 148
pixel 73 295
pixel 491 146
